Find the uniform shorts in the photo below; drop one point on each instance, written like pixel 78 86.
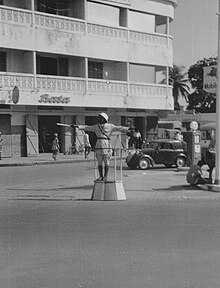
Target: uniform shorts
pixel 103 158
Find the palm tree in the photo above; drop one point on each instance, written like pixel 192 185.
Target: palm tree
pixel 179 80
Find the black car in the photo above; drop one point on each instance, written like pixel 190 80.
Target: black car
pixel 165 151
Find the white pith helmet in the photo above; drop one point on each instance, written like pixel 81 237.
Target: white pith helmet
pixel 104 115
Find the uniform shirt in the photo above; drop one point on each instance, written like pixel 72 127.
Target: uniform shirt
pixel 103 133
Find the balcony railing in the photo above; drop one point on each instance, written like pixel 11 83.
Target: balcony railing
pixel 149 38
pixel 16 16
pixel 64 84
pixel 58 22
pixel 107 87
pixel 24 81
pixel 150 89
pixel 78 85
pixel 107 31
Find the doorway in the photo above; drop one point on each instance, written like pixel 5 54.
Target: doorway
pixel 47 127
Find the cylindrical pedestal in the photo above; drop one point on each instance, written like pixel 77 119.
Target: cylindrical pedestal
pixel 108 191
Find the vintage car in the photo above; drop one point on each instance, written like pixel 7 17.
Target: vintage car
pixel 164 151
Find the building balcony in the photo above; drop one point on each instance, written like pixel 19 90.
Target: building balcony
pixel 82 92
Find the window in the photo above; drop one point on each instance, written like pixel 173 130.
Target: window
pixel 103 14
pixel 52 66
pixel 60 7
pixel 141 22
pixel 166 146
pixel 3 61
pixel 63 66
pixel 46 65
pixel 95 70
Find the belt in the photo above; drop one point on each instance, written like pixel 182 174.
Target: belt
pixel 104 138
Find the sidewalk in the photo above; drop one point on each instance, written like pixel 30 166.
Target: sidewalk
pixel 44 159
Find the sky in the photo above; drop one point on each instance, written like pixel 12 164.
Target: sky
pixel 195 31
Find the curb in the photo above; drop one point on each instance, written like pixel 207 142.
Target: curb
pixel 19 162
pixel 38 163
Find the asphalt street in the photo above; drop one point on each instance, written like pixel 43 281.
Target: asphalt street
pixel 164 235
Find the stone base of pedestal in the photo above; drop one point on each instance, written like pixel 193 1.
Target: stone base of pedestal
pixel 108 191
pixel 211 187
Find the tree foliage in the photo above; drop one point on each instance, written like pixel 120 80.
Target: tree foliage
pixel 179 80
pixel 200 100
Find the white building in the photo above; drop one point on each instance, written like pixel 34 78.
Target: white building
pixel 66 60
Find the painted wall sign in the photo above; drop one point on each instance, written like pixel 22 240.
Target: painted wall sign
pixel 46 98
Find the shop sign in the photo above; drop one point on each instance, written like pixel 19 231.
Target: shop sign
pixel 210 78
pixel 45 98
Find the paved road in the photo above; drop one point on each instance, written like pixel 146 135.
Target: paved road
pixel 164 235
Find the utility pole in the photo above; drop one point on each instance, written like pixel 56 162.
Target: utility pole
pixel 217 145
pixel 216 186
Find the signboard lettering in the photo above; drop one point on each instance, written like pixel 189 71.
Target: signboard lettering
pixel 45 98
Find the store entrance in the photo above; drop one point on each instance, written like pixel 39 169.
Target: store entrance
pixel 46 128
pixel 91 120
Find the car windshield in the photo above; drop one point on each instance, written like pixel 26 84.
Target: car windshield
pixel 152 145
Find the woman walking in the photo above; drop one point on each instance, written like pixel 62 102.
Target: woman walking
pixel 55 146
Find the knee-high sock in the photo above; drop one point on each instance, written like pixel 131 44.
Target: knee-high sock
pixel 106 170
pixel 100 168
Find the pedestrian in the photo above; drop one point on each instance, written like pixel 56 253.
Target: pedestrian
pixel 130 133
pixel 1 144
pixel 194 176
pixel 86 144
pixel 103 151
pixel 178 135
pixel 55 146
pixel 137 139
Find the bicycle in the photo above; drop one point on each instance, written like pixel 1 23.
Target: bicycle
pixel 74 149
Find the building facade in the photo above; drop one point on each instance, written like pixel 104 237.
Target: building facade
pixel 67 60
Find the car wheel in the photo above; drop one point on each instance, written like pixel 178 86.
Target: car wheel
pixel 180 162
pixel 168 165
pixel 144 163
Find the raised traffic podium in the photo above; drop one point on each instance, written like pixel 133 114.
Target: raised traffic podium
pixel 108 190
pixel 111 190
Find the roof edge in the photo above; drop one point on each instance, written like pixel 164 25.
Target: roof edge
pixel 174 2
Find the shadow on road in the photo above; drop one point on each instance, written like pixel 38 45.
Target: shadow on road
pixel 176 188
pixel 85 187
